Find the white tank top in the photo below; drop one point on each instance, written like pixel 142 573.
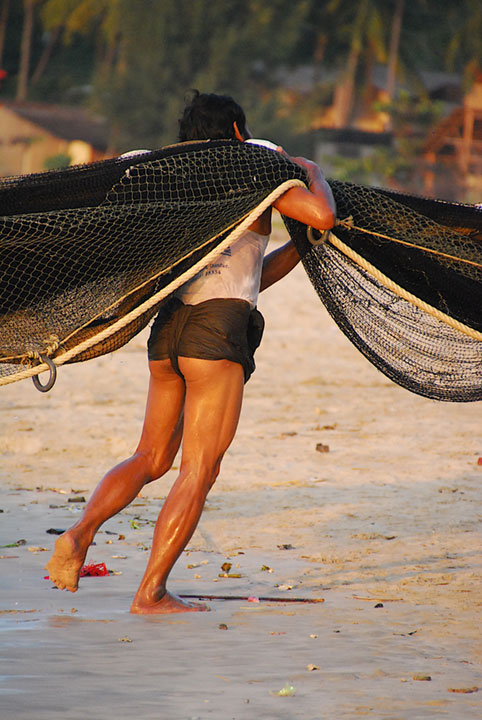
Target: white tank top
pixel 236 273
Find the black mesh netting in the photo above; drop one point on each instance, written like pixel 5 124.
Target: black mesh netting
pixel 88 253
pixel 85 248
pixel 433 262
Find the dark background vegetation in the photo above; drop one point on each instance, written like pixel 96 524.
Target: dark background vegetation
pixel 133 61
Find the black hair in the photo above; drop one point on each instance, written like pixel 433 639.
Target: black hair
pixel 209 116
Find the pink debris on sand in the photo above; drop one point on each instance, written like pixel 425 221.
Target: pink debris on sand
pixel 94 570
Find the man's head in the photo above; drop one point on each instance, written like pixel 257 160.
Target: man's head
pixel 209 116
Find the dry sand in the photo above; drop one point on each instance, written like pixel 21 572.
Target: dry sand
pixel 385 526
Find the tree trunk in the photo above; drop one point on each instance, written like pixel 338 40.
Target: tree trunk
pixel 393 51
pixel 45 56
pixel 3 26
pixel 318 56
pixel 344 92
pixel 343 103
pixel 25 49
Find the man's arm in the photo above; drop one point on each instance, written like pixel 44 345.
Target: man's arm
pixel 277 264
pixel 315 207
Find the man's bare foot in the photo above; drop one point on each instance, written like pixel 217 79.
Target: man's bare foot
pixel 66 562
pixel 167 604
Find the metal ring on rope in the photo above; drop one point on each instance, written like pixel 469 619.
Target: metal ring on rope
pixel 52 376
pixel 316 237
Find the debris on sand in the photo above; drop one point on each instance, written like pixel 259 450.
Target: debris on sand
pixel 285 691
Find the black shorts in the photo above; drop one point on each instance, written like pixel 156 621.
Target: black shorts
pixel 218 329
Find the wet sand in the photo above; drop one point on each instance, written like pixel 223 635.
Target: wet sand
pixel 384 524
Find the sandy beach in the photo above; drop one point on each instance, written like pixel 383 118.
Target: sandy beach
pixel 339 486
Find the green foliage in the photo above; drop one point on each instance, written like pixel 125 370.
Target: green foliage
pixel 411 115
pixel 212 45
pixel 135 60
pixel 57 162
pixel 465 44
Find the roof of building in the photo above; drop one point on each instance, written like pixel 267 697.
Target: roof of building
pixel 438 84
pixel 68 123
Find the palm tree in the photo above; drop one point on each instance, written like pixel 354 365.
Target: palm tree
pixel 395 33
pixel 365 31
pixel 25 48
pixel 465 46
pixel 3 26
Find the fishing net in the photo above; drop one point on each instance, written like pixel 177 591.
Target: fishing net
pixel 406 290
pixel 89 253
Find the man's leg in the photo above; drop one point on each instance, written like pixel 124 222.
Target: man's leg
pixel 159 443
pixel 214 391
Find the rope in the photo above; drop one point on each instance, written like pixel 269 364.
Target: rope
pixel 52 344
pixel 348 225
pixel 174 285
pixel 401 292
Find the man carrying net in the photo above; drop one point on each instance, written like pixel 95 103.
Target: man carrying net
pixel 200 355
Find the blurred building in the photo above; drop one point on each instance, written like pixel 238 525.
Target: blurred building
pixel 449 162
pixel 36 136
pixel 453 151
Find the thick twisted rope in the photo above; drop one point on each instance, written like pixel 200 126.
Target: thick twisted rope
pixel 398 290
pixel 348 224
pixel 157 297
